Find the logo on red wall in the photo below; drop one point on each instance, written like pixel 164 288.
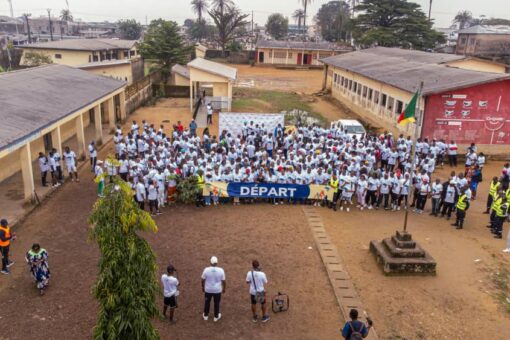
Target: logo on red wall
pixel 482 104
pixel 467 103
pixel 494 123
pixel 448 113
pixel 465 113
pixel 450 103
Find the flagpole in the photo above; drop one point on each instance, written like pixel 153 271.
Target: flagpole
pixel 417 131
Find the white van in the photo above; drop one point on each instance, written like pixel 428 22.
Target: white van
pixel 350 127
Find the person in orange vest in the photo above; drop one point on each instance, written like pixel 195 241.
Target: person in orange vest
pixel 5 241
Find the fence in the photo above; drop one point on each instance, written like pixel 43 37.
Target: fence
pixel 138 93
pixel 243 57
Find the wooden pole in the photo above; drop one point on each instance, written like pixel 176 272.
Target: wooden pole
pixel 417 131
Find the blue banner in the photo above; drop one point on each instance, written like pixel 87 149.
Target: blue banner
pixel 268 190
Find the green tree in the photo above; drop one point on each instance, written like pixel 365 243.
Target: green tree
pixel 496 21
pixel 463 18
pixel 229 22
pixel 394 23
pixel 65 15
pixel 334 20
pixel 298 15
pixel 199 7
pixel 164 46
pixel 305 10
pixel 202 30
pixel 130 29
pixel 277 26
pixel 126 286
pixel 36 59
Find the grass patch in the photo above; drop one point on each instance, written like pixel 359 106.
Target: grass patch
pixel 261 101
pixel 500 279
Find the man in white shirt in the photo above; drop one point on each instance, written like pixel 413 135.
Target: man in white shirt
pixel 170 292
pixel 70 160
pixel 93 155
pixel 213 285
pixel 257 280
pixel 141 195
pixel 437 191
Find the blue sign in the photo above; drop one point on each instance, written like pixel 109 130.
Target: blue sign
pixel 268 190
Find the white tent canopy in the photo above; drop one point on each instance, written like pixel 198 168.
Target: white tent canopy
pixel 233 122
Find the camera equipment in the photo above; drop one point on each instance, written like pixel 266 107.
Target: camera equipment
pixel 280 303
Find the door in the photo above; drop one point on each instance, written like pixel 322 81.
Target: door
pixel 300 59
pixel 309 58
pixel 261 57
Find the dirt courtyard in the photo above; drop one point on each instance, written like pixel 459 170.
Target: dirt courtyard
pixel 278 237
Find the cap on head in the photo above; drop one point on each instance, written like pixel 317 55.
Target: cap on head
pixel 214 260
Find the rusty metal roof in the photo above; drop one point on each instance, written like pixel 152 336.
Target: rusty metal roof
pixel 84 44
pixel 405 69
pixel 302 45
pixel 34 98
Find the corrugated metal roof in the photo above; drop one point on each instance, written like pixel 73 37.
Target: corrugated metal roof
pixel 104 63
pixel 486 29
pixel 181 70
pixel 215 68
pixel 302 45
pixel 84 44
pixel 405 69
pixel 35 98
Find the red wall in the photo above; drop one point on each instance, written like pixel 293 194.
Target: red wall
pixel 479 114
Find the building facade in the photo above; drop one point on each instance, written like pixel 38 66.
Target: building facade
pixel 492 42
pixel 271 52
pixel 456 102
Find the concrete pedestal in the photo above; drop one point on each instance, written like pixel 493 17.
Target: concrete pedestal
pixel 400 255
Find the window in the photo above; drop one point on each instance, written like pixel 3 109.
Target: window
pixel 400 106
pixel 359 89
pixel 370 94
pixel 350 85
pixel 472 41
pixel 355 87
pixel 282 55
pixel 58 56
pixel 334 78
pixel 376 97
pixel 290 54
pixel 270 53
pixel 391 103
pixel 463 41
pixel 346 82
pixel 384 100
pixel 365 91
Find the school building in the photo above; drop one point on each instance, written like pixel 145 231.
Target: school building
pixel 280 53
pixel 49 107
pixel 463 99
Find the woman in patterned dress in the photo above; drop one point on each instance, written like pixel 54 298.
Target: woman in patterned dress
pixel 37 259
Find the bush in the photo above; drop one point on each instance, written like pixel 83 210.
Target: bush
pixel 187 190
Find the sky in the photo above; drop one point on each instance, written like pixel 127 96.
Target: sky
pixel 443 11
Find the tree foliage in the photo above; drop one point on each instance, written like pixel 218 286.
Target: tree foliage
pixel 66 15
pixel 277 26
pixel 199 7
pixel 187 190
pixel 201 29
pixel 130 29
pixel 164 46
pixel 126 286
pixel 229 22
pixel 496 21
pixel 334 20
pixel 36 59
pixel 463 19
pixel 394 23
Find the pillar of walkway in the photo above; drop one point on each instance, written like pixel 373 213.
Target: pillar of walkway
pixel 122 104
pixel 27 171
pixel 98 122
pixel 80 137
pixel 56 139
pixel 110 109
pixel 191 96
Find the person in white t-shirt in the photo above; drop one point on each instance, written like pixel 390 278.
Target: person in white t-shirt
pixel 93 155
pixel 213 285
pixel 153 198
pixel 170 291
pixel 70 160
pixel 437 190
pixel 257 281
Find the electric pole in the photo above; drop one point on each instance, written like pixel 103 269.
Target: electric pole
pixel 26 16
pixel 12 15
pixel 51 24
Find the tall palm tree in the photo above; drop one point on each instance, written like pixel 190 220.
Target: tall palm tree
pixel 222 4
pixel 65 15
pixel 463 18
pixel 430 9
pixel 199 7
pixel 305 8
pixel 298 16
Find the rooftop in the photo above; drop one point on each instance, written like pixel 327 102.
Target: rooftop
pixel 105 63
pixel 85 44
pixel 214 68
pixel 404 69
pixel 34 98
pixel 486 29
pixel 181 70
pixel 300 45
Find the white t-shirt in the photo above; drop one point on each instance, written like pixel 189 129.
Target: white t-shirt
pixel 170 284
pixel 69 158
pixel 213 277
pixel 260 281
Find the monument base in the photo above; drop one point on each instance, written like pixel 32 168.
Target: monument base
pixel 400 255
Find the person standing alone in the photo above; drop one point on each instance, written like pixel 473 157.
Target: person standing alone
pixel 170 291
pixel 257 280
pixel 213 285
pixel 5 241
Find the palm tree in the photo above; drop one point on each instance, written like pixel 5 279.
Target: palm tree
pixel 65 15
pixel 430 9
pixel 199 7
pixel 298 16
pixel 305 7
pixel 463 18
pixel 222 4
